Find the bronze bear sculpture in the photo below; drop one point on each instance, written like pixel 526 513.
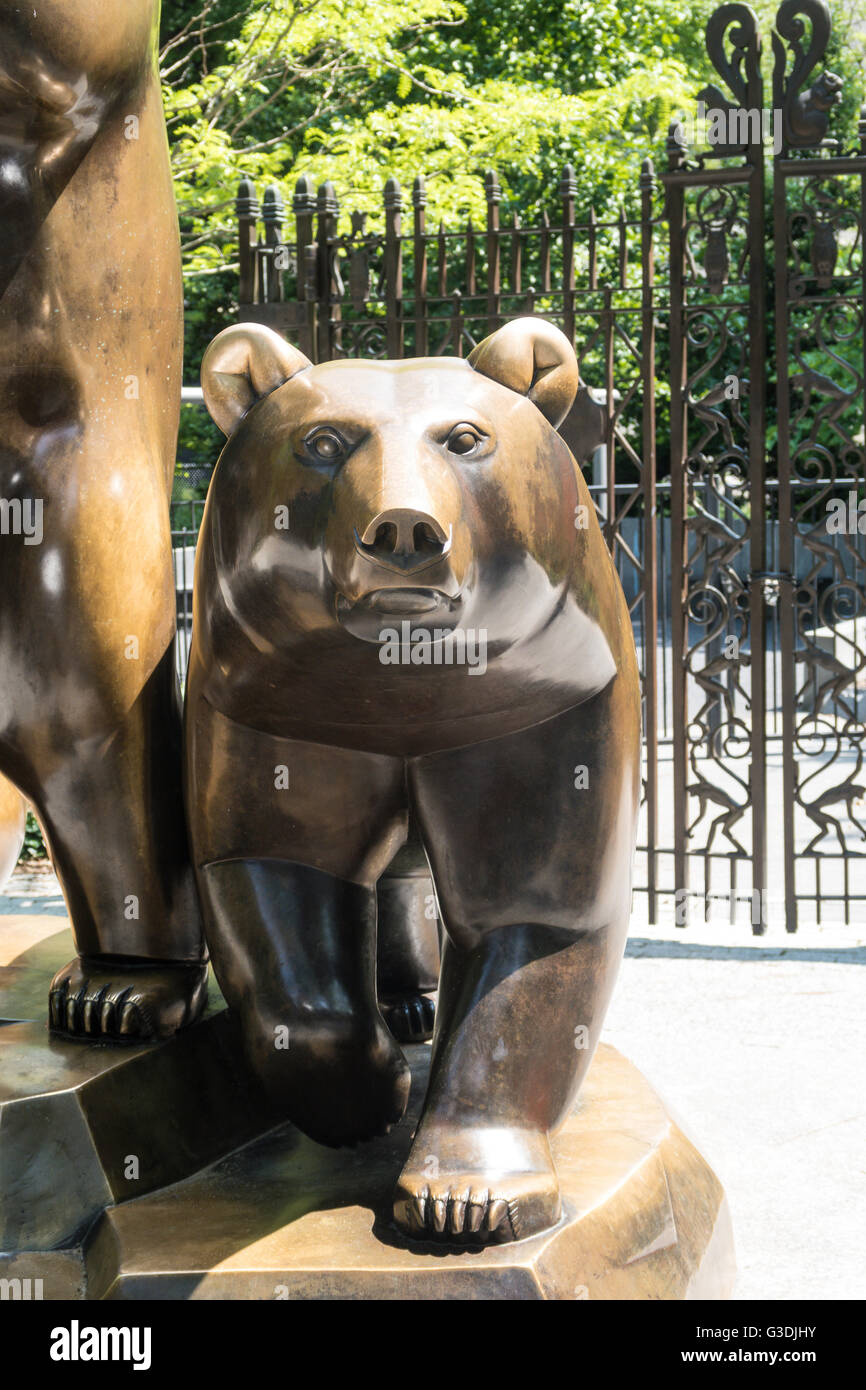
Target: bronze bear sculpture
pixel 91 313
pixel 404 606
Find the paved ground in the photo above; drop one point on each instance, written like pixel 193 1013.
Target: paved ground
pixel 758 1049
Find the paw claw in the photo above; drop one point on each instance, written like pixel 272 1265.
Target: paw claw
pixel 101 998
pixel 93 1012
pixel 459 1205
pixel 129 1022
pixel 497 1212
pixel 420 1211
pixel 72 1011
pixel 106 1020
pixel 476 1216
pixel 440 1213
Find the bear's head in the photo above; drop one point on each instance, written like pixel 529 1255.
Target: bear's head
pixel 359 498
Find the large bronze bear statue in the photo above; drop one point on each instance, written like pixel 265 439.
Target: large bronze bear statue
pixel 91 332
pixel 404 605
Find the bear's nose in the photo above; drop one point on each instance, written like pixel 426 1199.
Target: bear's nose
pixel 404 540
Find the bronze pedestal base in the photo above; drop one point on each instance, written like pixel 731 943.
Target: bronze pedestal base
pixel 281 1217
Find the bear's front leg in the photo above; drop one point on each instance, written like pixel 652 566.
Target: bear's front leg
pixel 295 954
pixel 519 1017
pixel 530 840
pixel 289 839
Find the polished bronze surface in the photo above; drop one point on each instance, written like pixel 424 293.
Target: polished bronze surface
pixel 404 604
pixel 90 359
pixel 644 1217
pixel 84 1125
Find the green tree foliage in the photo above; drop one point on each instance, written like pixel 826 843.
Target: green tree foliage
pixel 355 90
pixel 34 843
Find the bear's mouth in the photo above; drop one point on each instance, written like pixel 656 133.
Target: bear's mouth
pixel 370 616
pixel 404 601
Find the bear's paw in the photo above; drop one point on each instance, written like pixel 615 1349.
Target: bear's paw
pixel 467 1203
pixel 101 999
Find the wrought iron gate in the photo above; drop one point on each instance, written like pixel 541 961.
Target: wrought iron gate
pixel 748 601
pixel 768 686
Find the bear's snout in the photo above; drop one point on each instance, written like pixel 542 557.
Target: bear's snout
pixel 396 523
pixel 404 540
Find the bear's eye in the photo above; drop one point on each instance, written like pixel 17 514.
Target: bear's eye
pixel 325 445
pixel 463 439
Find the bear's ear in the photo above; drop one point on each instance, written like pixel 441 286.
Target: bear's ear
pixel 242 364
pixel 531 356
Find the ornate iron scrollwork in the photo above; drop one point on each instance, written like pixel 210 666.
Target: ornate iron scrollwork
pixel 805 110
pixel 827 463
pixel 741 71
pixel 771 584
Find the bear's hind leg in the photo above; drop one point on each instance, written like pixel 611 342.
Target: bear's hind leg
pixel 113 815
pixel 408 944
